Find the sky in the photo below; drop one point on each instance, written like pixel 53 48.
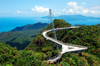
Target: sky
pixel 39 8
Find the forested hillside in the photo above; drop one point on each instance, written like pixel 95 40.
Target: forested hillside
pixel 98 24
pixel 40 49
pixel 22 36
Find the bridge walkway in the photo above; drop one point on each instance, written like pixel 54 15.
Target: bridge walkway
pixel 65 46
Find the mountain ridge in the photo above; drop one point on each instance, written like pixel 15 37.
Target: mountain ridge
pixel 30 27
pixel 75 17
pixel 21 36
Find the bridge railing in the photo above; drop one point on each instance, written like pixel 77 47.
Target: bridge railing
pixel 66 43
pixel 61 43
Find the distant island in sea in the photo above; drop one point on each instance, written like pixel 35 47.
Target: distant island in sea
pixel 75 17
pixel 9 23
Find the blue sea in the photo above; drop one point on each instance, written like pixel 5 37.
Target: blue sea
pixel 9 23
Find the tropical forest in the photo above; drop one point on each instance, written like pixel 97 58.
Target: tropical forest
pixel 39 50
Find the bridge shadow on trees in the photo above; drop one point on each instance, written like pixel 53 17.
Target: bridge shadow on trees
pixel 18 45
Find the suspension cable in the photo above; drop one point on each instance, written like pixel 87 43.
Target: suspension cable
pixel 59 15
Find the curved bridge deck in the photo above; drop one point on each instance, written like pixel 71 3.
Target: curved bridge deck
pixel 65 46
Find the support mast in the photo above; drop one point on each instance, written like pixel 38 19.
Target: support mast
pixel 54 33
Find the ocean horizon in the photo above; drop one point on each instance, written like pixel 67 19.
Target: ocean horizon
pixel 9 23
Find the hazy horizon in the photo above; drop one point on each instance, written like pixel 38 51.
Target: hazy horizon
pixel 38 8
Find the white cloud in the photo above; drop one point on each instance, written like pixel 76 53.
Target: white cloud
pixel 85 11
pixel 97 7
pixel 40 9
pixel 83 3
pixel 71 10
pixel 18 11
pixel 95 11
pixel 77 12
pixel 74 6
pixel 21 12
pixel 92 11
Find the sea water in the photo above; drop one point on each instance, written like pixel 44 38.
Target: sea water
pixel 9 23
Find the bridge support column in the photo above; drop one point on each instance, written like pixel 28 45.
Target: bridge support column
pixel 54 33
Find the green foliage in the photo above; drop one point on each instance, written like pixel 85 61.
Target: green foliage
pixel 98 24
pixel 85 35
pixel 40 44
pixel 65 64
pixel 45 49
pixel 76 60
pixel 58 23
pixel 39 50
pixel 37 63
pixel 44 63
pixel 21 36
pixel 8 65
pixel 12 57
pixel 39 55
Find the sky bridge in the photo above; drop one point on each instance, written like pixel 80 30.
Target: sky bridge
pixel 65 46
